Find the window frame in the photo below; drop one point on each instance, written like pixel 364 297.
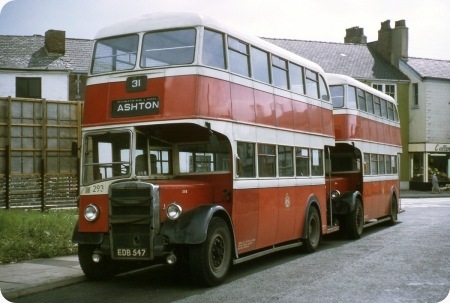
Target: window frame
pixel 234 53
pixel 34 92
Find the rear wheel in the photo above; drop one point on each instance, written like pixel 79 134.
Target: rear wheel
pixel 393 211
pixel 355 221
pixel 312 240
pixel 210 261
pixel 94 270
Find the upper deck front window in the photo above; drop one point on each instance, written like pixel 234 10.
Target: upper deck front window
pixel 115 54
pixel 172 47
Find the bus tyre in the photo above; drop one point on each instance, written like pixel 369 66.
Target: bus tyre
pixel 312 240
pixel 92 270
pixel 210 260
pixel 393 211
pixel 355 221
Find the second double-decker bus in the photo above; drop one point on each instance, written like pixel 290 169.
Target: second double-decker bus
pixel 202 147
pixel 363 164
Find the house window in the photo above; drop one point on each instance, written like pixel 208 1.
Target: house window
pixel 28 87
pixel 388 89
pixel 416 94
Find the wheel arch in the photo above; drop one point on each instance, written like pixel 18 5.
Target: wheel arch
pixel 192 226
pixel 346 203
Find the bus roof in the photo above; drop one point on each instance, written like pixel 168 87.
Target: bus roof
pixel 164 20
pixel 338 79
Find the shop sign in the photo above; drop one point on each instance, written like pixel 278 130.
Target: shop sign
pixel 442 148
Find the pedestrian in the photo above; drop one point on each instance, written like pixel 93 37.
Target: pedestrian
pixel 435 184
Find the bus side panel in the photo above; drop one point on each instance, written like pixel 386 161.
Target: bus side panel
pixel 245 218
pixel 288 205
pixel 222 185
pixel 243 104
pixel 373 134
pixel 397 136
pixel 327 125
pixel 264 108
pixel 371 199
pixel 389 185
pixel 340 126
pixel 94 109
pixel 214 98
pixel 179 98
pixel 365 129
pixel 381 136
pixel 301 120
pixel 315 119
pixel 268 217
pixel 284 112
pixel 368 197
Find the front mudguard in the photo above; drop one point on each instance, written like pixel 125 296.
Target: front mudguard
pixel 86 238
pixel 192 226
pixel 345 204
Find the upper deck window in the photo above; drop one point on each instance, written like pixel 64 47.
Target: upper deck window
pixel 238 53
pixel 337 95
pixel 351 97
pixel 260 65
pixel 312 84
pixel 280 72
pixel 324 94
pixel 369 101
pixel 296 78
pixel 361 99
pixel 173 47
pixel 213 49
pixel 115 54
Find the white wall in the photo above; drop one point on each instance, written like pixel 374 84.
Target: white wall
pixel 417 114
pixel 438 110
pixel 55 85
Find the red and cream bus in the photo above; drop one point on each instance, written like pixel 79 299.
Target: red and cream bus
pixel 201 147
pixel 363 174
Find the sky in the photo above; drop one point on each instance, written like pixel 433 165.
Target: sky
pixel 316 20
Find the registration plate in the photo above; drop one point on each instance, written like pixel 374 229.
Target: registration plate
pixel 131 252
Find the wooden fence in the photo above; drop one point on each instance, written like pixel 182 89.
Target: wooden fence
pixel 37 169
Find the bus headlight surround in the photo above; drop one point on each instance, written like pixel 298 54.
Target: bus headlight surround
pixel 174 211
pixel 91 212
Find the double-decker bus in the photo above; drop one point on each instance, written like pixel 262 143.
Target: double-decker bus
pixel 363 164
pixel 202 147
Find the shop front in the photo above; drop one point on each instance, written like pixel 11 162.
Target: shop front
pixel 427 160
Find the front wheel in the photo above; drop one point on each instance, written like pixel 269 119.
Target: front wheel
pixel 355 221
pixel 312 240
pixel 211 260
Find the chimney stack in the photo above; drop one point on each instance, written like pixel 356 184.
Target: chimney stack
pixel 392 44
pixel 355 35
pixel 399 42
pixel 55 41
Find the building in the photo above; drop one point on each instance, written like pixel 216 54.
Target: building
pixel 51 66
pixel 429 120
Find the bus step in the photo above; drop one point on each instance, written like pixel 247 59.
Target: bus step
pixel 332 229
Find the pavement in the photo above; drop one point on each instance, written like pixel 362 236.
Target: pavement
pixel 33 276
